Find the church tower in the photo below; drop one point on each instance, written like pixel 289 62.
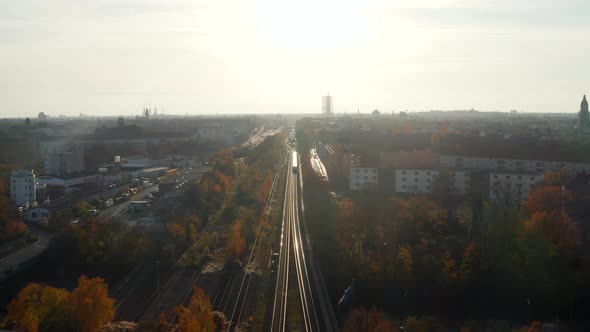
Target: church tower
pixel 584 115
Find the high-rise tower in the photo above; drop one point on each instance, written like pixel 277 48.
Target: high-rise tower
pixel 327 105
pixel 584 115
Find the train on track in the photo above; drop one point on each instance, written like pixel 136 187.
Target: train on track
pixel 295 162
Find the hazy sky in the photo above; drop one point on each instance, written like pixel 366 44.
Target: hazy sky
pixel 266 56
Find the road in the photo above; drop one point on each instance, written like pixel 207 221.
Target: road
pixel 293 252
pixel 118 209
pixel 25 254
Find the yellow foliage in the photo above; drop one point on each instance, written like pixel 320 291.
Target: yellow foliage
pixel 91 307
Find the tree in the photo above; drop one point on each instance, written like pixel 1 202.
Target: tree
pixel 536 326
pixel 413 324
pixel 90 305
pixel 27 122
pixel 197 316
pixel 237 242
pixel 470 262
pixel 548 198
pixel 363 320
pixel 558 227
pixel 38 307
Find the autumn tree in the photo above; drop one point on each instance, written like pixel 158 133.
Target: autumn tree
pixel 548 198
pixel 90 305
pixel 198 315
pixel 558 227
pixel 39 307
pixel 237 243
pixel 363 320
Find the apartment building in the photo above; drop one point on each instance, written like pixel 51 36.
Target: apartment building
pixel 423 181
pixel 512 165
pixel 23 187
pixel 362 178
pixel 512 185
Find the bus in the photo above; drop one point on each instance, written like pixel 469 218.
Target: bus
pixel 294 161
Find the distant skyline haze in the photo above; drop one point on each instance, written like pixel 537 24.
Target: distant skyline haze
pixel 115 57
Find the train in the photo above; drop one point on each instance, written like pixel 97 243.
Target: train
pixel 295 162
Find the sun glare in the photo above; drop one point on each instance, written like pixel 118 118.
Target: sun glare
pixel 308 24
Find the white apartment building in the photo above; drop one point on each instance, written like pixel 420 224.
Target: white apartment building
pixel 420 181
pixel 513 165
pixel 512 186
pixel 362 178
pixel 23 187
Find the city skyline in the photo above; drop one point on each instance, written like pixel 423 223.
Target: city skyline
pixel 116 57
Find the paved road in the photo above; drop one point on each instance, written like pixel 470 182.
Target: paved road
pixel 120 209
pixel 25 254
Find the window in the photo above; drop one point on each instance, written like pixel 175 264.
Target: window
pixel 366 177
pixel 495 176
pixel 428 180
pixel 366 170
pixel 358 177
pixel 403 179
pixel 428 173
pixel 520 177
pixel 403 186
pixel 416 180
pixel 403 172
pixel 374 171
pixel 357 170
pixel 34 214
pixel 532 178
pixel 374 178
pixel 508 176
pixel 415 173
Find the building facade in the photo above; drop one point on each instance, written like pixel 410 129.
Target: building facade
pixel 327 105
pixel 512 165
pixel 423 181
pixel 64 162
pixel 363 178
pixel 512 186
pixel 23 187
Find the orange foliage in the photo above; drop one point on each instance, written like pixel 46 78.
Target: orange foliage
pixel 39 307
pixel 449 267
pixel 536 326
pixel 363 320
pixel 264 189
pixel 91 306
pixel 558 227
pixel 197 317
pixel 548 198
pixel 35 304
pixel 177 231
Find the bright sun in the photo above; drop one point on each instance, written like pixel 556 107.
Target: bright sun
pixel 308 24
